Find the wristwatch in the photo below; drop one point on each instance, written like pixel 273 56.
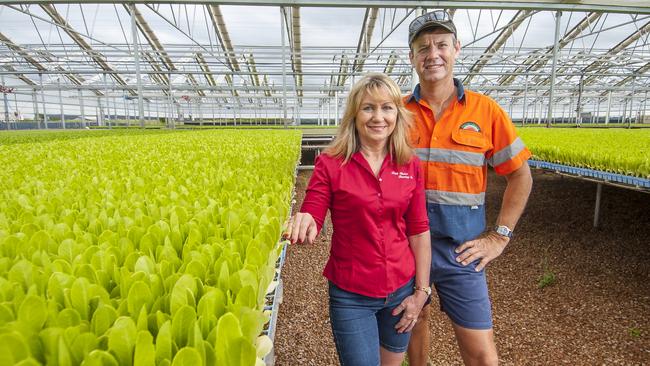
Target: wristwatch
pixel 426 290
pixel 503 231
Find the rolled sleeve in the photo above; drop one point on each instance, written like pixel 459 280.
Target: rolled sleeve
pixel 319 193
pixel 509 152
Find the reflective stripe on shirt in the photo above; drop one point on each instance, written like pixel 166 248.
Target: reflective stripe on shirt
pixel 455 198
pixel 507 152
pixel 450 156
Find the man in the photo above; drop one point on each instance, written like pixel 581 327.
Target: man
pixel 456 134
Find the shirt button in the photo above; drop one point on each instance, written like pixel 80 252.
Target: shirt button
pixel 379 194
pixel 380 179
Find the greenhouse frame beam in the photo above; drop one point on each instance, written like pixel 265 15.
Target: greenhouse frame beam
pixel 365 37
pixel 537 61
pixel 296 54
pixel 20 51
pixel 390 64
pixel 635 74
pixel 159 76
pixel 362 52
pixel 151 37
pixel 342 74
pixel 58 19
pixel 20 76
pixel 317 90
pixel 226 44
pixel 621 6
pixel 594 66
pixel 498 42
pixel 602 60
pixel 153 41
pixel 205 68
pixel 75 79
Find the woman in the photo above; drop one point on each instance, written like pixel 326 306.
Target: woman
pixel 378 269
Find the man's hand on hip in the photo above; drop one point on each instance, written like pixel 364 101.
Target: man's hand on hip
pixel 485 248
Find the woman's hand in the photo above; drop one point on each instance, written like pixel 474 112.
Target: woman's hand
pixel 301 226
pixel 410 307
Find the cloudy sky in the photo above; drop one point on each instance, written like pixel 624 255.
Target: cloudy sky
pixel 327 29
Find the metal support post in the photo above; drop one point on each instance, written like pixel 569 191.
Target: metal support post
pixel 336 108
pixel 558 16
pixel 127 113
pixel 599 191
pixel 81 107
pixel 147 111
pixel 100 112
pixel 6 104
pixel 212 109
pixel 609 106
pixel 320 113
pixel 43 102
pixel 329 110
pixel 61 105
pixel 579 102
pixel 107 102
pixel 200 113
pixel 525 111
pixel 284 65
pixel 629 120
pixel 35 102
pixel 171 121
pixel 136 50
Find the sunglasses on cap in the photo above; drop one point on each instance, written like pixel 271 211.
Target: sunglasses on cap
pixel 437 18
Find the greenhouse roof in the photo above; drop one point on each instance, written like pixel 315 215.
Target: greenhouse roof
pixel 256 55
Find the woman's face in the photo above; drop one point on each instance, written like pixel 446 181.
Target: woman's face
pixel 376 118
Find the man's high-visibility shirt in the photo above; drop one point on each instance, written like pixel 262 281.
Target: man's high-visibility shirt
pixel 472 131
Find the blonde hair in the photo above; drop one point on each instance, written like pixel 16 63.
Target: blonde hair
pixel 347 141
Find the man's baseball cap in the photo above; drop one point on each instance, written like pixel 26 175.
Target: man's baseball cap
pixel 434 19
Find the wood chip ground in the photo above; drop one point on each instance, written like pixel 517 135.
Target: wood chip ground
pixel 596 312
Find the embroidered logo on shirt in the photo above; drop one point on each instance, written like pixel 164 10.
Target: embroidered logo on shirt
pixel 469 125
pixel 402 175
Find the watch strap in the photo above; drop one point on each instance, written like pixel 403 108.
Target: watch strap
pixel 503 231
pixel 426 290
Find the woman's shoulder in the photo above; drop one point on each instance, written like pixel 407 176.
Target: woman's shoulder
pixel 413 161
pixel 329 161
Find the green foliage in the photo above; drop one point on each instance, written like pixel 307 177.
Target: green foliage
pixel 547 279
pixel 621 151
pixel 140 248
pixel 635 332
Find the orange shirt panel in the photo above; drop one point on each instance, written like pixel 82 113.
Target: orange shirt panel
pixel 475 125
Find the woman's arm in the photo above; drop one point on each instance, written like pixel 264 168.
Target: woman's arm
pixel 306 223
pixel 411 306
pixel 421 247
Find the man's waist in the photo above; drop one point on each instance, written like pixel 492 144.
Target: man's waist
pixel 454 198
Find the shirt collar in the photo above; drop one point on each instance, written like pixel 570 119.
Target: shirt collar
pixel 460 92
pixel 358 157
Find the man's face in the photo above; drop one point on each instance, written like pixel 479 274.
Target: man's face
pixel 433 55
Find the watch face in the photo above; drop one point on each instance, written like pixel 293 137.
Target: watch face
pixel 502 230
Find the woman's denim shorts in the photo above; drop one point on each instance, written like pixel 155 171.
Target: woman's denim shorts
pixel 361 324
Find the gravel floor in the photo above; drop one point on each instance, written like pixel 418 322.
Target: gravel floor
pixel 596 312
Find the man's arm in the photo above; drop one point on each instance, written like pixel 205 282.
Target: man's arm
pixel 490 244
pixel 515 196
